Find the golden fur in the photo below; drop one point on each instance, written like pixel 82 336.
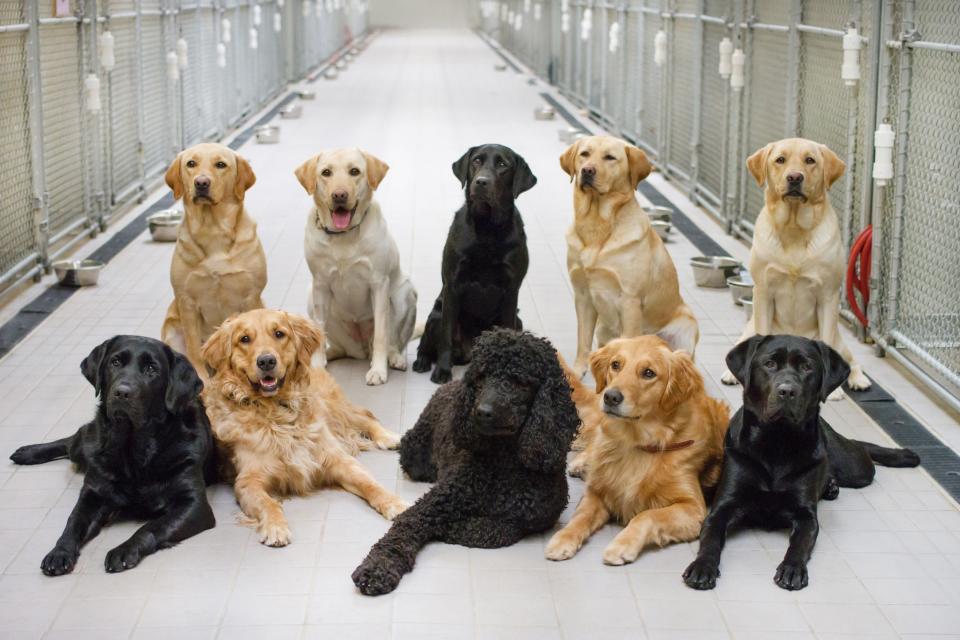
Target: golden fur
pixel 624 281
pixel 293 439
pixel 218 267
pixel 659 496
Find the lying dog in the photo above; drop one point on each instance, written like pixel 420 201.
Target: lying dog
pixel 218 266
pixel 484 259
pixel 495 443
pixel 798 259
pixel 283 426
pixel 624 282
pixel 147 454
pixel 366 305
pixel 781 457
pixel 650 453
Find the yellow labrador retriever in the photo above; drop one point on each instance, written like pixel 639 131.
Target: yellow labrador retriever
pixel 218 268
pixel 624 282
pixel 365 303
pixel 797 258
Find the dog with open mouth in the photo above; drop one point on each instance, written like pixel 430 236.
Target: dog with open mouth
pixel 361 297
pixel 283 426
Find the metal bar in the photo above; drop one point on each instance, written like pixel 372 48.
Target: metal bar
pixel 763 26
pixel 823 31
pixel 699 35
pixel 870 121
pixel 13 278
pixel 14 28
pixel 792 122
pixel 666 92
pixel 66 231
pixel 41 199
pixel 141 123
pixel 932 384
pixel 744 120
pixel 932 46
pixel 64 20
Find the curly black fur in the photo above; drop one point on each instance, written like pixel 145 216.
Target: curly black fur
pixel 495 443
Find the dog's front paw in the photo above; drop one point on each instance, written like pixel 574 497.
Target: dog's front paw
pixel 121 558
pixel 392 508
pixel 274 533
pixel 375 579
pixel 837 394
pixel 422 364
pixel 561 547
pixel 24 455
pixel 441 376
pixel 620 552
pixel 857 380
pixel 791 576
pixel 376 375
pixel 702 574
pixel 59 561
pixel 388 440
pixel 397 361
pixel 577 467
pixel 728 378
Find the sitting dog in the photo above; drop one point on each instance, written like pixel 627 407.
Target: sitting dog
pixel 484 259
pixel 781 457
pixel 366 305
pixel 797 259
pixel 218 266
pixel 147 454
pixel 624 282
pixel 283 426
pixel 495 443
pixel 650 453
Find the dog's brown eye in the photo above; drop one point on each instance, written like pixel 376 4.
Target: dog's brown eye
pixel 244 339
pixel 806 367
pixel 191 163
pixel 150 368
pixel 279 334
pixel 115 362
pixel 780 160
pixel 608 157
pixel 810 161
pixel 354 171
pixel 326 173
pixel 477 161
pixel 501 164
pixel 770 364
pixel 221 165
pixel 584 154
pixel 615 365
pixel 649 373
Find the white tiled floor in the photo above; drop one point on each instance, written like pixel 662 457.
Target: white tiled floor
pixel 887 563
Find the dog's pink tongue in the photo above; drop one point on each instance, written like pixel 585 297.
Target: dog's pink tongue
pixel 341 219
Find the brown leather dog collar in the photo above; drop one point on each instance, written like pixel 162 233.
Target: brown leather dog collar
pixel 649 448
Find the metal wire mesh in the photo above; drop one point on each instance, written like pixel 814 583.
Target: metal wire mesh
pixel 683 79
pixel 710 158
pixel 123 118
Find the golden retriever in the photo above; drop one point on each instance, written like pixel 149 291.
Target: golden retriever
pixel 365 303
pixel 218 266
pixel 624 281
pixel 654 443
pixel 282 426
pixel 797 259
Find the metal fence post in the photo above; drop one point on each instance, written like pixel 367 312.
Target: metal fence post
pixel 699 35
pixel 40 196
pixel 666 91
pixel 791 125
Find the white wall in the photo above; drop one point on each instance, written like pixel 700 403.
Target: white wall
pixel 421 14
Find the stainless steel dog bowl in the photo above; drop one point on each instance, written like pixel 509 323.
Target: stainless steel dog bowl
pixel 500 67
pixel 307 95
pixel 566 134
pixel 713 271
pixel 740 287
pixel 78 273
pixel 747 304
pixel 660 213
pixel 268 134
pixel 291 111
pixel 165 225
pixel 544 113
pixel 330 74
pixel 662 228
pixel 341 64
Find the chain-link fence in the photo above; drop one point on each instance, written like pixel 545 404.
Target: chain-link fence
pixel 95 102
pixel 650 70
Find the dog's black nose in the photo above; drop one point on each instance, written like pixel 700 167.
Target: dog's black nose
pixel 787 390
pixel 481 181
pixel 485 411
pixel 267 362
pixel 612 397
pixel 122 391
pixel 202 183
pixel 340 196
pixel 794 178
pixel 588 172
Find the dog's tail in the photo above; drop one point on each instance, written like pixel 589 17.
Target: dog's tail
pixel 889 457
pixel 683 332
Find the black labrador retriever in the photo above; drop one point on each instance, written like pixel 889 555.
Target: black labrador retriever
pixel 484 260
pixel 781 457
pixel 147 454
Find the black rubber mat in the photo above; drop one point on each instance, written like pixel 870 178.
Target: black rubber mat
pixel 562 111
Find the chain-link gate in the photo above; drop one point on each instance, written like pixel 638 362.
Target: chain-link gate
pixel 95 103
pixel 650 70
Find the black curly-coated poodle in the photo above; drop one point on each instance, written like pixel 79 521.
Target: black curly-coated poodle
pixel 495 443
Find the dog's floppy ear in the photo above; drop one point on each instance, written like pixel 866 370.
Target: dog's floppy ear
pixel 599 363
pixel 216 350
pixel 552 422
pixel 757 164
pixel 245 177
pixel 682 381
pixel 461 168
pixel 376 169
pixel 835 370
pixel 91 365
pixel 174 179
pixel 523 178
pixel 640 166
pixel 833 166
pixel 309 338
pixel 307 174
pixel 183 383
pixel 568 160
pixel 740 357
